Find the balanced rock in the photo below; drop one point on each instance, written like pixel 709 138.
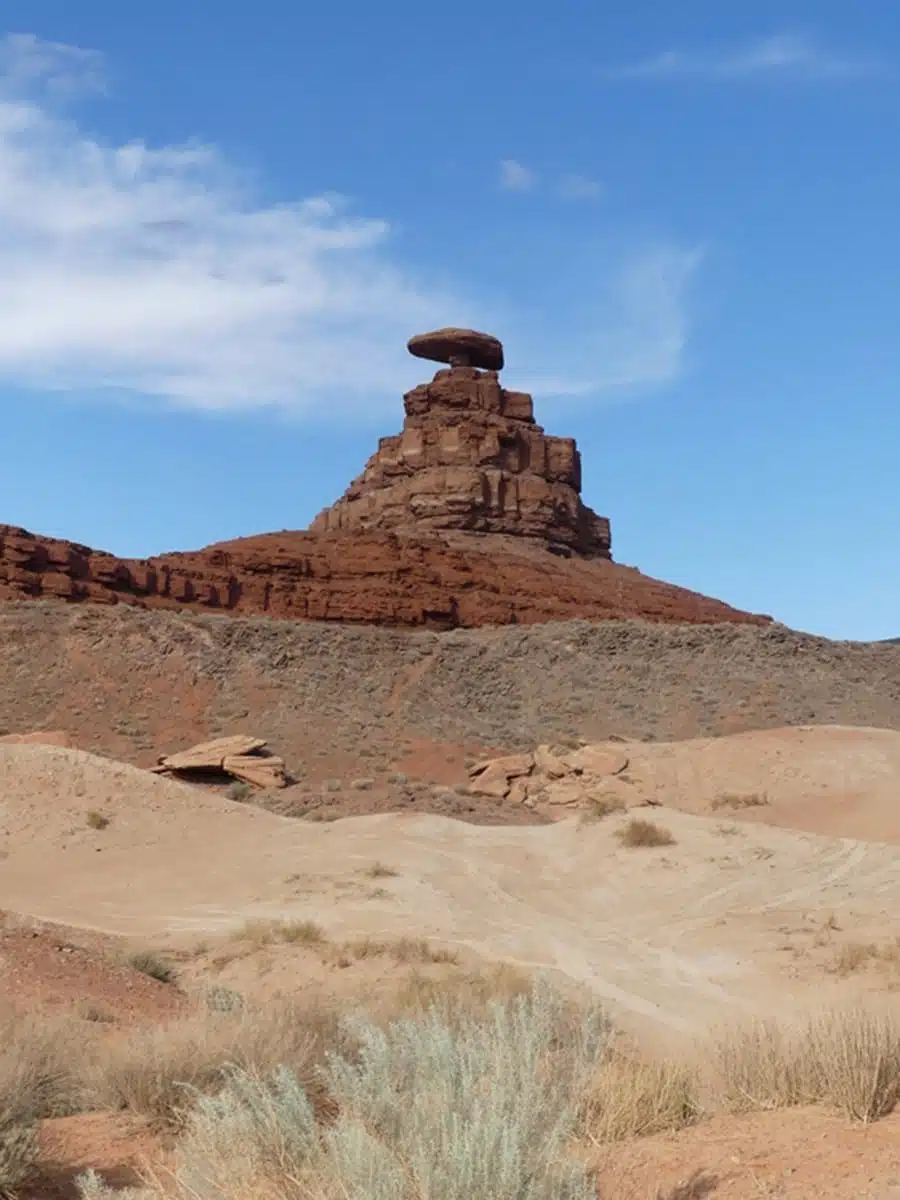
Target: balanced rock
pixel 459 347
pixel 471 459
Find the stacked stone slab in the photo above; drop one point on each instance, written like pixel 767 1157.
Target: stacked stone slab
pixel 471 458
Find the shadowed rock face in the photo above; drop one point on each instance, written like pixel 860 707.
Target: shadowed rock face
pixel 470 516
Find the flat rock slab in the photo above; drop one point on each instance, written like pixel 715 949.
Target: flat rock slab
pixel 211 755
pixel 475 349
pixel 242 756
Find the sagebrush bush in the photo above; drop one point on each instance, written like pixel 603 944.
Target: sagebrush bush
pixel 479 1107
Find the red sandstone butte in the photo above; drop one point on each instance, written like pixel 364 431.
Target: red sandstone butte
pixel 470 516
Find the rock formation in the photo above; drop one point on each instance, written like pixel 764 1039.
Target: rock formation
pixel 472 458
pixel 470 516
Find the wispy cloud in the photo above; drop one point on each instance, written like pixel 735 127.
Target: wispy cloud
pixel 132 270
pixel 783 55
pixel 515 177
pixel 632 334
pixel 579 187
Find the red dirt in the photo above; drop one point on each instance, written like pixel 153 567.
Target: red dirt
pixel 49 967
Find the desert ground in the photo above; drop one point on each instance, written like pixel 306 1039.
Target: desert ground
pixel 766 764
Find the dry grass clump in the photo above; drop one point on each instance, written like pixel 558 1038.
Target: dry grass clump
pixel 855 956
pixel 632 1097
pixel 598 807
pixel 455 993
pixel 380 870
pixel 95 819
pixel 267 933
pixel 640 832
pixel 156 1072
pixel 402 950
pixel 41 1075
pixel 848 1059
pixel 148 962
pixel 737 800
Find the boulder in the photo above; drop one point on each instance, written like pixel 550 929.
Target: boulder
pixel 597 761
pixel 240 755
pixel 464 347
pixel 494 776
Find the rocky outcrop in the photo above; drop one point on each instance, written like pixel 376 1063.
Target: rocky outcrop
pixel 554 779
pixel 470 516
pixel 471 458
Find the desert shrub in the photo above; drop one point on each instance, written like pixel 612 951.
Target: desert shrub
pixel 380 870
pixel 401 950
pixel 239 790
pixel 852 956
pixel 640 832
pixel 156 1071
pixel 91 1186
pixel 150 963
pixel 40 1076
pixel 496 1104
pixel 267 933
pixel 632 1097
pixel 456 994
pixel 848 1059
pixel 740 800
pixel 96 819
pixel 598 807
pixel 219 999
pixel 854 1062
pixel 760 1066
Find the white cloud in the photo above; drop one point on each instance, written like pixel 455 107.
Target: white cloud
pixel 633 335
pixel 515 177
pixel 782 55
pixel 155 272
pixel 579 187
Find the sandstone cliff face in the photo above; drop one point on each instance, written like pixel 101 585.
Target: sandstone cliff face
pixel 472 458
pixel 443 582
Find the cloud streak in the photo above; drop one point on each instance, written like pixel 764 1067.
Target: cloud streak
pixel 579 187
pixel 634 334
pixel 155 272
pixel 515 177
pixel 780 56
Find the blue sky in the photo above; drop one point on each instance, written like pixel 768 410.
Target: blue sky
pixel 220 222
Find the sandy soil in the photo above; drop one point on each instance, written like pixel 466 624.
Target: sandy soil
pixel 753 915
